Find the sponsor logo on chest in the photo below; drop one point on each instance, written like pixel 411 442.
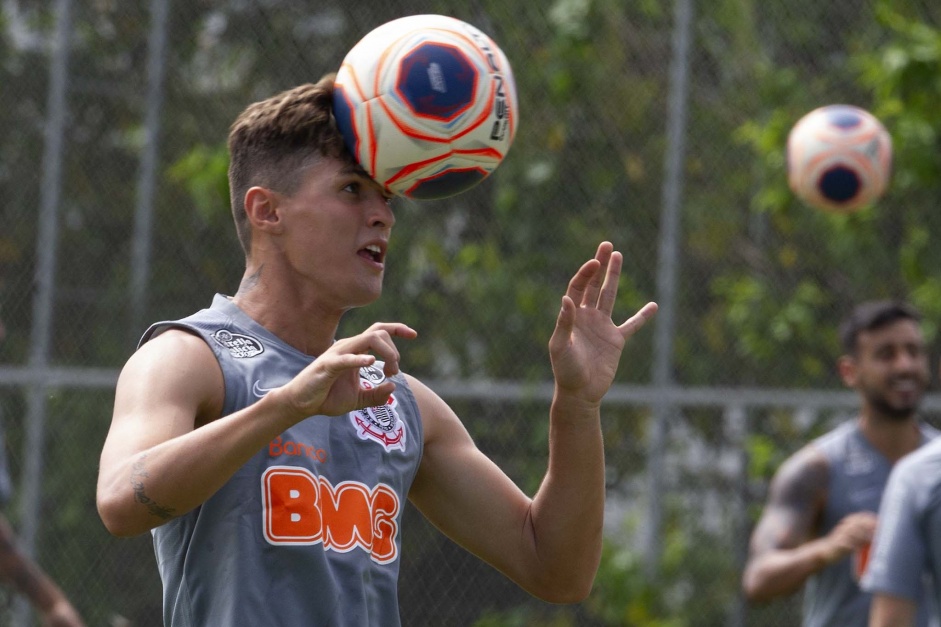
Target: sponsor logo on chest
pixel 382 423
pixel 300 508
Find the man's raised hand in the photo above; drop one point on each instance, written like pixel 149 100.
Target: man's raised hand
pixel 586 346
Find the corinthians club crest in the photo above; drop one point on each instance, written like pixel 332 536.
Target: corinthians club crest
pixel 381 423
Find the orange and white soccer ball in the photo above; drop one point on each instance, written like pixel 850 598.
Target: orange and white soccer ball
pixel 427 105
pixel 839 158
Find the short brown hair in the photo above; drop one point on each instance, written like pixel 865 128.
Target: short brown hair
pixel 274 140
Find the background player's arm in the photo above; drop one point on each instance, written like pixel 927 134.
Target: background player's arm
pixel 891 611
pixel 156 464
pixel 783 552
pixel 27 578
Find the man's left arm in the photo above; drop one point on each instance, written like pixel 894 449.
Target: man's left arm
pixel 551 544
pixel 585 350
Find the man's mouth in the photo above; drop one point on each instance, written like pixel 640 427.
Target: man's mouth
pixel 905 385
pixel 373 252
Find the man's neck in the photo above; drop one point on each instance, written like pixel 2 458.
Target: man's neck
pixel 299 323
pixel 893 437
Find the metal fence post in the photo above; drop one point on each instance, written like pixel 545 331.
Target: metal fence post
pixel 667 272
pixel 150 154
pixel 736 428
pixel 44 299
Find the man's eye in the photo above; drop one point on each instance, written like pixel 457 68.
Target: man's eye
pixel 353 188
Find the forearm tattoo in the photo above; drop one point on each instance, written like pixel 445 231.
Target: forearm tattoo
pixel 138 474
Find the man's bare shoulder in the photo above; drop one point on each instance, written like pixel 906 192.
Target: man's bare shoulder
pixel 176 366
pixel 802 479
pixel 442 426
pixel 796 498
pixel 174 343
pixel 430 405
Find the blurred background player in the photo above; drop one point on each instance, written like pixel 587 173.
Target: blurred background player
pixel 21 573
pixel 820 516
pixel 18 571
pixel 272 461
pixel 907 546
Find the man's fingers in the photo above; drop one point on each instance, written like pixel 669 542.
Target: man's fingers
pixel 597 279
pixel 565 322
pixel 336 365
pixel 579 283
pixel 377 340
pixel 376 396
pixel 395 329
pixel 609 289
pixel 638 320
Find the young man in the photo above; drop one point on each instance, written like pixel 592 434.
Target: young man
pixel 820 515
pixel 907 546
pixel 272 461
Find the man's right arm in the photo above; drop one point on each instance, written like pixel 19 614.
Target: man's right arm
pixel 167 450
pixel 155 464
pixel 783 550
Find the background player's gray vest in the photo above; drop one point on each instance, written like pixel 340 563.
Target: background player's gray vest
pixel 858 474
pixel 308 532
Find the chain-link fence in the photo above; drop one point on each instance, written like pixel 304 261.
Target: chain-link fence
pixel 658 126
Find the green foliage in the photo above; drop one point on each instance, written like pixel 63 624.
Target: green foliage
pixel 763 456
pixel 696 585
pixel 625 595
pixel 203 172
pixel 767 322
pixel 525 616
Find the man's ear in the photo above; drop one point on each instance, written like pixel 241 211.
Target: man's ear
pixel 261 208
pixel 846 367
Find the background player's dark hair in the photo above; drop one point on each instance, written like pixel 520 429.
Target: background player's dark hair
pixel 870 316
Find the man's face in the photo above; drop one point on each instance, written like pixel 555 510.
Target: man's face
pixel 890 369
pixel 336 232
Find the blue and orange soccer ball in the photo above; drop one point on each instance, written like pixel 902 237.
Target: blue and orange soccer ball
pixel 427 105
pixel 839 158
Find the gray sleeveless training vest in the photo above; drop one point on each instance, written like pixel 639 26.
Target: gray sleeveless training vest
pixel 308 532
pixel 858 474
pixel 906 553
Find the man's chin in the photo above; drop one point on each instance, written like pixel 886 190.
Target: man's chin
pixel 899 413
pixel 365 299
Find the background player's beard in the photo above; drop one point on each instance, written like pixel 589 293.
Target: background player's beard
pixel 898 413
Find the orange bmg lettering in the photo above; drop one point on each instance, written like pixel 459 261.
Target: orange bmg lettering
pixel 302 508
